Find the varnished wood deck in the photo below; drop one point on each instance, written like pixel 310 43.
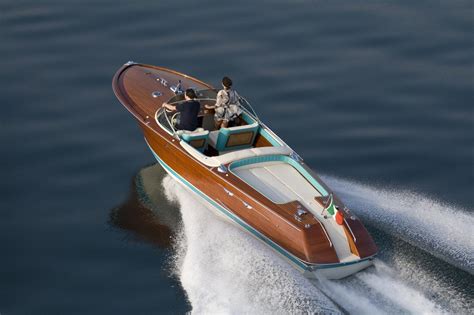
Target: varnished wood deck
pixel 134 85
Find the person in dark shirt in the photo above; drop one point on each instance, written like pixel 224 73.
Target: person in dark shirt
pixel 189 111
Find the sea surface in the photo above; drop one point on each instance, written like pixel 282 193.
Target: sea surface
pixel 377 96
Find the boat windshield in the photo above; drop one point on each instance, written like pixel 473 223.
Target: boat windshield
pixel 209 96
pixel 167 119
pixel 163 120
pixel 202 95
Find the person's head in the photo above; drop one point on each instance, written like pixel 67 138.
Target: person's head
pixel 226 83
pixel 189 94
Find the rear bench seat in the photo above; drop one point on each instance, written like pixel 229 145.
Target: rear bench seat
pixel 234 138
pixel 197 139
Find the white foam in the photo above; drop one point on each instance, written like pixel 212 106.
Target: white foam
pixel 440 229
pixel 438 284
pixel 408 298
pixel 226 271
pixel 379 290
pixel 352 299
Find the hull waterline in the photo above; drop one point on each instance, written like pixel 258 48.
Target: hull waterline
pixel 250 177
pixel 329 271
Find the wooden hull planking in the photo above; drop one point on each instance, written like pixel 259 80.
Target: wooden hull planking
pixel 306 243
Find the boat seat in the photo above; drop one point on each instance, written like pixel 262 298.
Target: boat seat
pixel 247 118
pixel 234 138
pixel 198 138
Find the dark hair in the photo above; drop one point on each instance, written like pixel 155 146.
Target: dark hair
pixel 190 93
pixel 227 82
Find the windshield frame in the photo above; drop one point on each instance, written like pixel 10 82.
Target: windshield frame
pixel 202 95
pixel 160 113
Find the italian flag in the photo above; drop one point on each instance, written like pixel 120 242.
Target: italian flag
pixel 332 210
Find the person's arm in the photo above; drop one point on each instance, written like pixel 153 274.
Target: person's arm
pixel 221 99
pixel 168 106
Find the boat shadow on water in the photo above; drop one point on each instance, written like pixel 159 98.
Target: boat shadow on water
pixel 147 215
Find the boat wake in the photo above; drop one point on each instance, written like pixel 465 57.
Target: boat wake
pixel 224 270
pixel 380 291
pixel 438 228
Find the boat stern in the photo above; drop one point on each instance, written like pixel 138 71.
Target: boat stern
pixel 338 271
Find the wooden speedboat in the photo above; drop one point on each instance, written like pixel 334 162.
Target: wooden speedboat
pixel 247 174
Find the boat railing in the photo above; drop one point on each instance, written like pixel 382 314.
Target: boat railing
pixel 245 104
pixel 352 233
pixel 325 232
pixel 249 109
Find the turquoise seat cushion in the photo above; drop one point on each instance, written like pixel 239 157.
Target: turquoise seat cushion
pixel 234 138
pixel 197 139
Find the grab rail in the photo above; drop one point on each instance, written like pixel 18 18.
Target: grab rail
pixel 353 236
pixel 326 233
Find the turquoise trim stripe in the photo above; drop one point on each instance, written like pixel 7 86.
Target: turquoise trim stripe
pixel 285 159
pixel 261 130
pixel 249 120
pixel 260 236
pixel 278 248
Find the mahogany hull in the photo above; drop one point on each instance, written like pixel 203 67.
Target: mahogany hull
pixel 304 243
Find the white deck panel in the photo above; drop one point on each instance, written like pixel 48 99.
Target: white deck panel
pixel 278 181
pixel 281 183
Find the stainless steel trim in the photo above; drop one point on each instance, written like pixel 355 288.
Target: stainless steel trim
pixel 162 81
pixel 300 212
pixel 296 157
pixel 353 237
pixel 247 205
pixel 156 94
pixel 222 169
pixel 228 192
pixel 326 233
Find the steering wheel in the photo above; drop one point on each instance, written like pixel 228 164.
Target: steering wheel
pixel 175 118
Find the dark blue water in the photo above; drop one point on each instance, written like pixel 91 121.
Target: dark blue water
pixel 372 92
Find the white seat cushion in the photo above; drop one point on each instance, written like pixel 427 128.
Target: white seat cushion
pixel 197 132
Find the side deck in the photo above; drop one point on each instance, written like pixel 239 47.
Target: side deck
pixel 281 180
